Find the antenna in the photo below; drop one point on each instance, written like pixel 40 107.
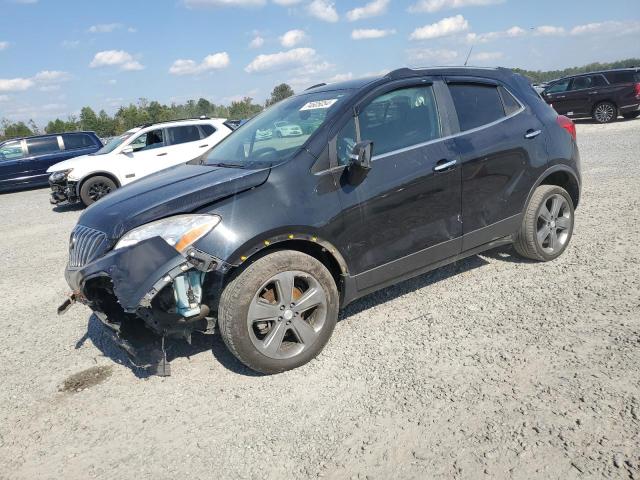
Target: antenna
pixel 468 55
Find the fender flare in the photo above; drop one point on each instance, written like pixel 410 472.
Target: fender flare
pixel 561 167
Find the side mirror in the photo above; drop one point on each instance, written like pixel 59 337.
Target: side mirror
pixel 361 154
pixel 126 150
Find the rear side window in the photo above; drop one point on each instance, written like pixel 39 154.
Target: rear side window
pixel 598 81
pixel 400 119
pixel 476 104
pixel 42 145
pixel 510 104
pixel 207 130
pixel 11 151
pixel 187 133
pixel 77 140
pixel 621 77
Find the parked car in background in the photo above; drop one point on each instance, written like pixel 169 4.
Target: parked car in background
pixel 132 155
pixel 285 129
pixel 601 95
pixel 24 161
pixel 265 134
pixel 405 173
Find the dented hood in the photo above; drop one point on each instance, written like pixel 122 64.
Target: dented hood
pixel 180 189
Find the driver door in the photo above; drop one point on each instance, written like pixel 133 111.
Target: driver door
pixel 404 212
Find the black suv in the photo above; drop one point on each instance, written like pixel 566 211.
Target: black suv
pixel 269 236
pixel 601 95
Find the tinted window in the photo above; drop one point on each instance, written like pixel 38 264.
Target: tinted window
pixel 620 77
pixel 148 140
pixel 400 119
pixel 187 133
pixel 510 104
pixel 11 151
pixel 207 130
pixel 77 140
pixel 345 141
pixel 42 145
pixel 598 81
pixel 558 87
pixel 580 83
pixel 476 104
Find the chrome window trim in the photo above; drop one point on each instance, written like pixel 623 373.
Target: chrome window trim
pixel 458 134
pixel 61 144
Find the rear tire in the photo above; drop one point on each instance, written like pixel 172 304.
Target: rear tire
pixel 547 224
pixel 605 112
pixel 631 115
pixel 94 188
pixel 279 313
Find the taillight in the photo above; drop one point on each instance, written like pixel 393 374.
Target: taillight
pixel 567 124
pixel 637 87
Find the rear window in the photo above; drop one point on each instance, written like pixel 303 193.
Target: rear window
pixel 42 145
pixel 476 104
pixel 627 76
pixel 207 130
pixel 77 140
pixel 187 133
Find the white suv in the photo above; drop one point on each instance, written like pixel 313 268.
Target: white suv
pixel 132 155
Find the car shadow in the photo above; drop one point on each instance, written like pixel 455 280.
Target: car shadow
pixel 148 346
pixel 68 207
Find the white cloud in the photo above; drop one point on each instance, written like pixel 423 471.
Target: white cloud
pixel 372 9
pixel 223 3
pixel 132 29
pixel 444 28
pixel 549 30
pixel 104 27
pixel 340 77
pixel 49 88
pixel 431 6
pixel 15 84
pixel 512 32
pixel 4 45
pixel 610 26
pixel 215 61
pixel 323 10
pixel 293 38
pixel 433 56
pixel 257 42
pixel 47 76
pixel 115 58
pixel 296 57
pixel 286 3
pixel 486 56
pixel 367 33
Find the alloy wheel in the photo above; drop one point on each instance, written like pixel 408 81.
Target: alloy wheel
pixel 554 224
pixel 604 112
pixel 98 190
pixel 287 314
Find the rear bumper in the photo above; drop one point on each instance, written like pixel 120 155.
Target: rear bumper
pixel 137 285
pixel 635 107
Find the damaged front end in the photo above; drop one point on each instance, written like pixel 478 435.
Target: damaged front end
pixel 62 189
pixel 150 283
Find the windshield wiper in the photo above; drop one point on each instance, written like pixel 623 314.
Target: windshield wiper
pixel 227 165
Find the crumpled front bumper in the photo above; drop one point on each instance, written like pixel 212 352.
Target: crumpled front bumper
pixel 63 190
pixel 136 284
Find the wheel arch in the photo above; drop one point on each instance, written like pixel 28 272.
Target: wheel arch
pixel 562 176
pixel 109 175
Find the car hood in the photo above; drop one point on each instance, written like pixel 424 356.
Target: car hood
pixel 70 163
pixel 180 189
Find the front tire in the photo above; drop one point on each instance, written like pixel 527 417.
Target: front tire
pixel 605 112
pixel 547 224
pixel 94 188
pixel 279 313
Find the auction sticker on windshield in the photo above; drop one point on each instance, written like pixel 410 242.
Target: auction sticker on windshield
pixel 319 104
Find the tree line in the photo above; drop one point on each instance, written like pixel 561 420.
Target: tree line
pixel 538 76
pixel 145 111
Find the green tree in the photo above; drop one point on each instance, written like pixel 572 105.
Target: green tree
pixel 280 92
pixel 13 130
pixel 243 109
pixel 88 119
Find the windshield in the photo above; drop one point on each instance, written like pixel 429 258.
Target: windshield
pixel 113 144
pixel 276 134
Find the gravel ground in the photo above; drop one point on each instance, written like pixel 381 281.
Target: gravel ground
pixel 491 367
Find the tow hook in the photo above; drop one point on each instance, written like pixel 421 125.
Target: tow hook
pixel 72 298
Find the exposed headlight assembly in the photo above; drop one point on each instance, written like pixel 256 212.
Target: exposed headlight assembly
pixel 180 231
pixel 60 175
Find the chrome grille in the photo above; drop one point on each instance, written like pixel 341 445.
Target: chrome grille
pixel 85 245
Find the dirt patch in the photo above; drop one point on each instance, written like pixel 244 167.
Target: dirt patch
pixel 86 379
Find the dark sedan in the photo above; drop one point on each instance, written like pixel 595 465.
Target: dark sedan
pixel 24 161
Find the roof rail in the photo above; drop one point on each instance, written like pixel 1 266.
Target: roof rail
pixel 315 86
pixel 149 124
pixel 400 72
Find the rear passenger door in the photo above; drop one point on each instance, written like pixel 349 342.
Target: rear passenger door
pixel 502 149
pixel 42 152
pixel 186 142
pixel 403 213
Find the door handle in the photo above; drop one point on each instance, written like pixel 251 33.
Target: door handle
pixel 561 96
pixel 593 93
pixel 205 145
pixel 443 165
pixel 532 133
pixel 161 154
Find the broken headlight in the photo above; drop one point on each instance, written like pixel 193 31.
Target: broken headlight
pixel 180 231
pixel 59 176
